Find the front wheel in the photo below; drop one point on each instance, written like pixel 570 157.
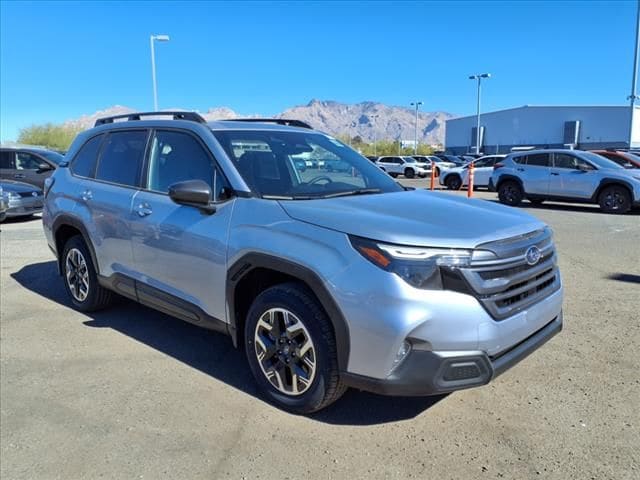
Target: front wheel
pixel 453 182
pixel 615 199
pixel 291 349
pixel 510 193
pixel 409 173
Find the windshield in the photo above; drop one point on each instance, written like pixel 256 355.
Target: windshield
pixel 301 165
pixel 599 161
pixel 55 157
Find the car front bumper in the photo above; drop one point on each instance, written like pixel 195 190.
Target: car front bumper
pixel 20 207
pixel 425 372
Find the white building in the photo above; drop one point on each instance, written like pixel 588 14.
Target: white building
pixel 586 127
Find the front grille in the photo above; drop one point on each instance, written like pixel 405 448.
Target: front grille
pixel 507 284
pixel 27 194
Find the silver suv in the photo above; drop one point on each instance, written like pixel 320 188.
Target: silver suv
pixel 566 176
pixel 326 279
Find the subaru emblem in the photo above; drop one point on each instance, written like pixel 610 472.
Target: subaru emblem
pixel 533 255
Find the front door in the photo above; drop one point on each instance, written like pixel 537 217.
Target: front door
pixel 573 177
pixel 179 249
pixel 28 169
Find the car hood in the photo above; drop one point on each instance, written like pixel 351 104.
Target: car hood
pixel 11 186
pixel 418 217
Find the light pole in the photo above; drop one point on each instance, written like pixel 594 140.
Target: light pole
pixel 633 97
pixel 479 77
pixel 375 136
pixel 152 39
pixel 415 136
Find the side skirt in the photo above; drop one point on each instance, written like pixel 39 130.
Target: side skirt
pixel 162 301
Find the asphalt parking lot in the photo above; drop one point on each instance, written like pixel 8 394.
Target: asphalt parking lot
pixel 132 393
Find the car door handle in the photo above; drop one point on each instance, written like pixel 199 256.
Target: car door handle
pixel 18 175
pixel 555 173
pixel 86 195
pixel 144 209
pixel 520 169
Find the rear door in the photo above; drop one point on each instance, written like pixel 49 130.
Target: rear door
pixel 7 164
pixel 104 203
pixel 482 171
pixel 572 176
pixel 534 170
pixel 178 249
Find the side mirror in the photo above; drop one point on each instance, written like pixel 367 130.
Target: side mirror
pixel 194 193
pixel 44 167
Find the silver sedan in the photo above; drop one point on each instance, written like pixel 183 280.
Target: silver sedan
pixel 19 199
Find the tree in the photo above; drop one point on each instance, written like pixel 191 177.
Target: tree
pixel 49 135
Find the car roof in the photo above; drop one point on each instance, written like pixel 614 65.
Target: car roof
pixel 239 125
pixel 544 150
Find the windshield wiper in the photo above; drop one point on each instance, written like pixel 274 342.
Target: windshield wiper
pixel 360 191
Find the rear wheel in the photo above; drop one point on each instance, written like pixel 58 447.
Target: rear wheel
pixel 615 199
pixel 510 193
pixel 291 349
pixel 80 278
pixel 409 172
pixel 453 182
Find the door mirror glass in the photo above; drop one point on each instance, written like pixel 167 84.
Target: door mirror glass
pixel 196 193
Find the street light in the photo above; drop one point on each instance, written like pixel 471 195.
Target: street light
pixel 152 39
pixel 633 97
pixel 375 137
pixel 479 77
pixel 415 136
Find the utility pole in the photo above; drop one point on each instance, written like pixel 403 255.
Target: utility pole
pixel 415 133
pixel 375 136
pixel 478 77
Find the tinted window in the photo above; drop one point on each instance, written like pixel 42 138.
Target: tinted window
pixel 176 157
pixel 562 160
pixel 85 160
pixel 121 157
pixel 27 161
pixel 6 159
pixel 538 159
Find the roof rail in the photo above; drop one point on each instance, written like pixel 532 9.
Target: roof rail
pixel 177 115
pixel 279 121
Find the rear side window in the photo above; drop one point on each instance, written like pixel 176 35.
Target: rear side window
pixel 538 160
pixel 121 158
pixel 6 159
pixel 85 160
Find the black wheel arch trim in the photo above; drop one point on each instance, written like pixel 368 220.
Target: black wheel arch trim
pixel 68 220
pixel 251 261
pixel 605 182
pixel 504 178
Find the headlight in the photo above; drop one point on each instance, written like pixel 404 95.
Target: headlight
pixel 425 268
pixel 12 195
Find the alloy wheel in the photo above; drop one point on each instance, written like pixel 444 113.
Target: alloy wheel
pixel 285 351
pixel 77 274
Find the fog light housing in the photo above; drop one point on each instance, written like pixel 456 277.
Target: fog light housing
pixel 403 352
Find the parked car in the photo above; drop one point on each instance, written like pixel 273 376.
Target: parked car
pixel 372 158
pixel 20 199
pixel 407 166
pixel 566 176
pixel 457 161
pixel 435 162
pixel 325 283
pixel 458 177
pixel 624 159
pixel 28 164
pixel 4 204
pixel 337 166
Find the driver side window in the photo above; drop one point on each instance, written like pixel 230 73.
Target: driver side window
pixel 27 161
pixel 563 160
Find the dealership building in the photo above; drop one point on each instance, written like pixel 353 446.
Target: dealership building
pixel 585 127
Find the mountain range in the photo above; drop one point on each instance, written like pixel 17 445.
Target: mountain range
pixel 368 120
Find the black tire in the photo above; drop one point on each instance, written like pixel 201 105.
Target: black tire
pixel 326 386
pixel 97 297
pixel 409 172
pixel 510 193
pixel 393 175
pixel 453 182
pixel 536 201
pixel 437 170
pixel 615 199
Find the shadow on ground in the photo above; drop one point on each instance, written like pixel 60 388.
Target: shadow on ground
pixel 212 353
pixel 570 207
pixel 625 277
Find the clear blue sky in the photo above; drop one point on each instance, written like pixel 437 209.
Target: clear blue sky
pixel 61 60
